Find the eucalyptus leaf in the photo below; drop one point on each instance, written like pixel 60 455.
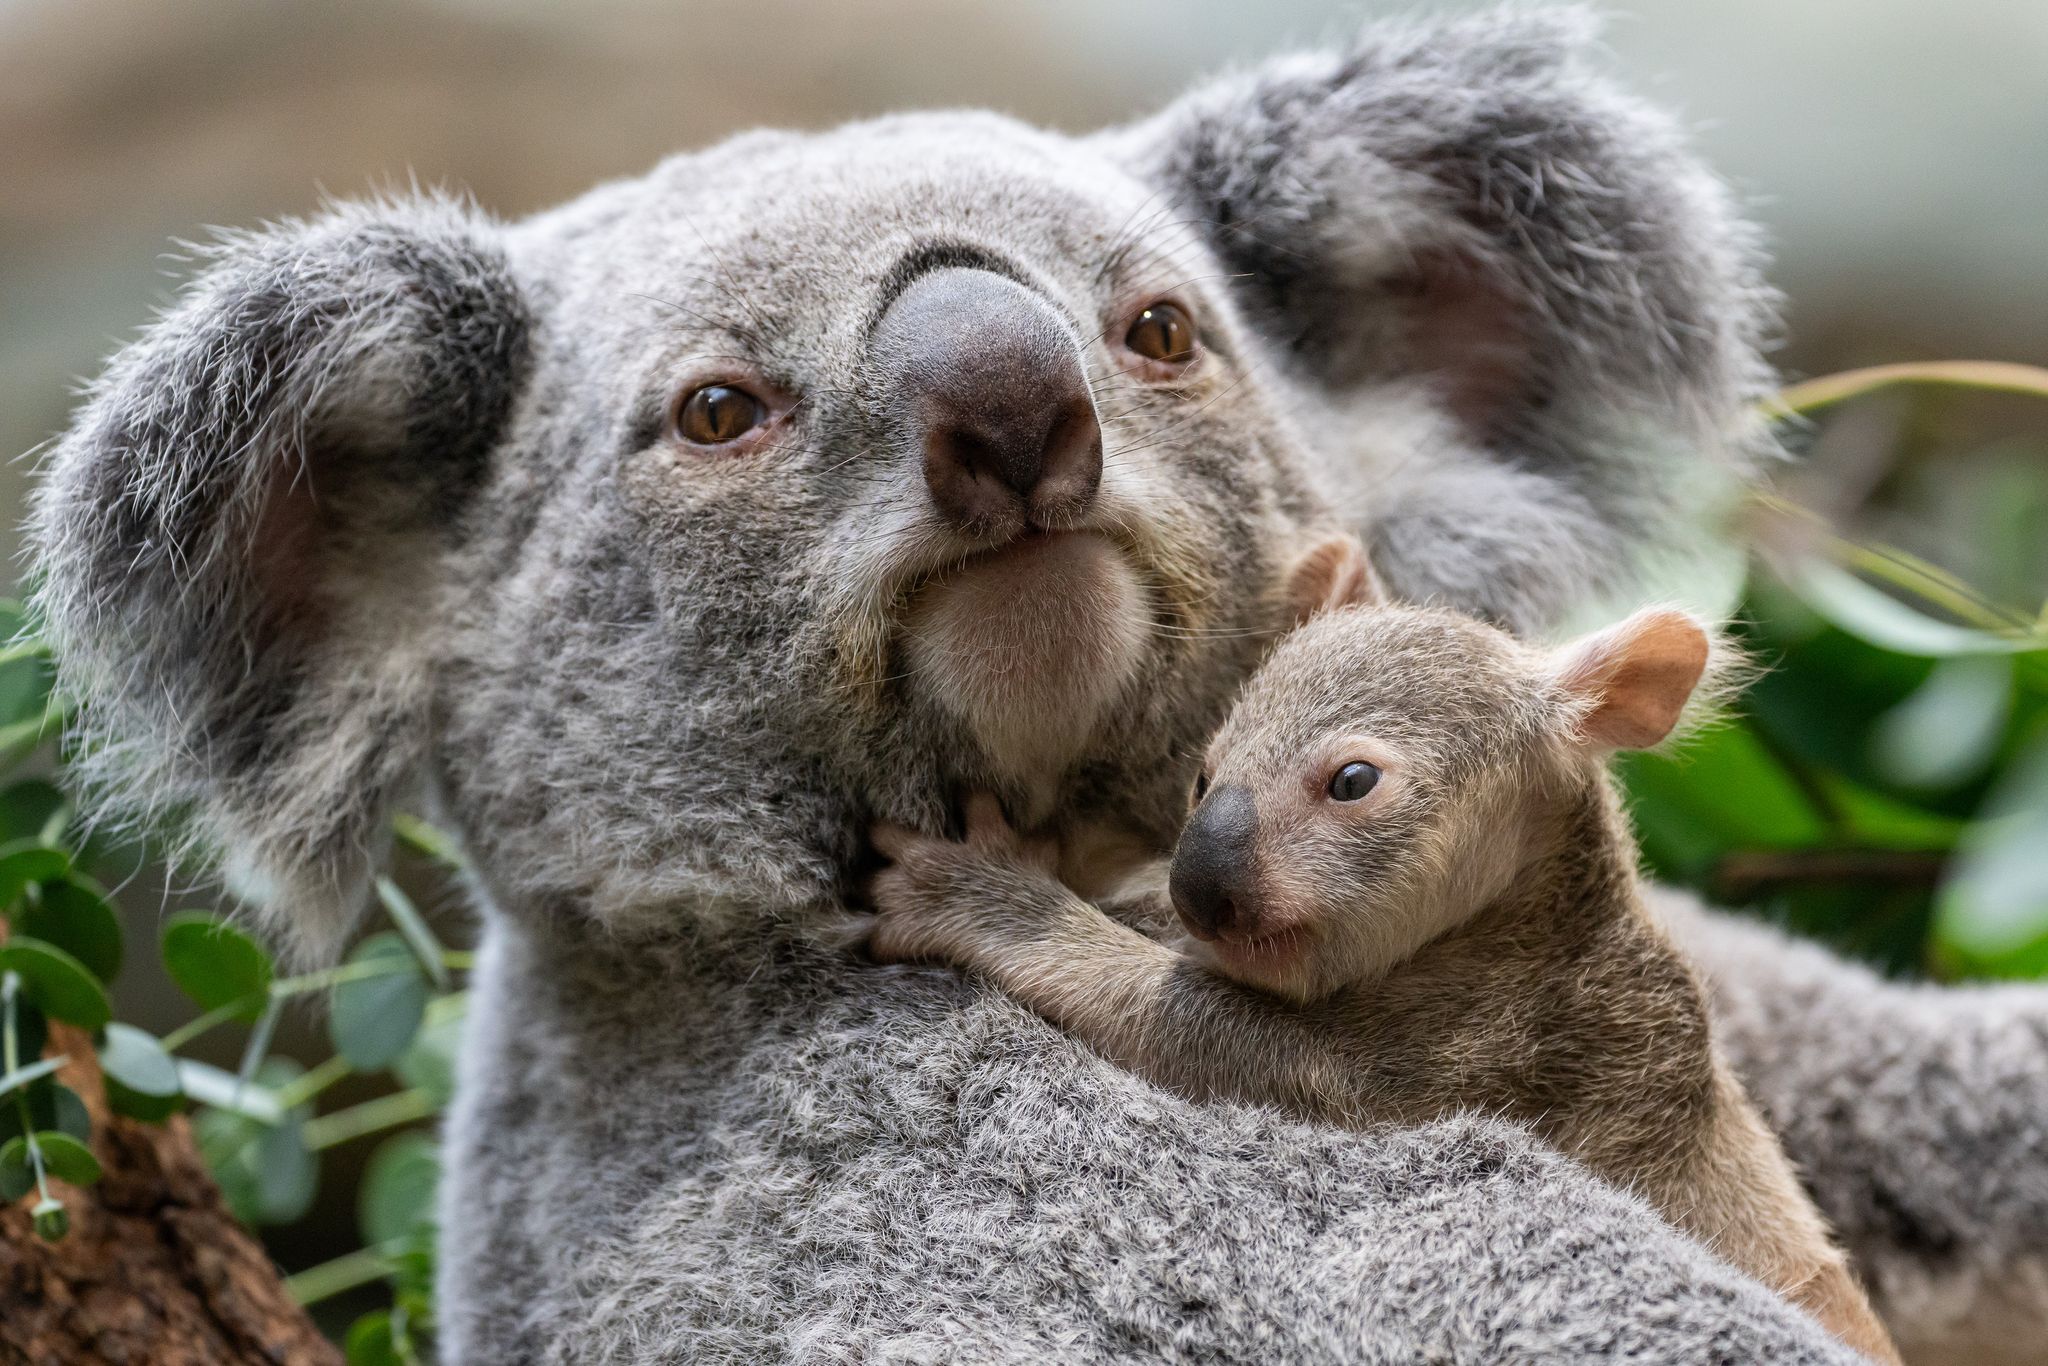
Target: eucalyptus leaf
pixel 67 1159
pixel 216 964
pixel 59 984
pixel 1992 912
pixel 73 913
pixel 17 1173
pixel 142 1079
pixel 372 1018
pixel 396 1197
pixel 27 861
pixel 371 1341
pixel 287 1176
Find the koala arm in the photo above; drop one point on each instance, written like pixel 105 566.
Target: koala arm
pixel 987 905
pixel 1915 1114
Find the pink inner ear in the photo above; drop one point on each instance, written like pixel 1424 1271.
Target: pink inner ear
pixel 1334 574
pixel 1639 676
pixel 1467 334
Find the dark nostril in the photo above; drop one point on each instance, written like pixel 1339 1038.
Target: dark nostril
pixel 989 377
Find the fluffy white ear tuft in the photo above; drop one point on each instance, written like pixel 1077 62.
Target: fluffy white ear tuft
pixel 1635 678
pixel 1332 574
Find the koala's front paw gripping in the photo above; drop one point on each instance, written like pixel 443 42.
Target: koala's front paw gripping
pixel 945 899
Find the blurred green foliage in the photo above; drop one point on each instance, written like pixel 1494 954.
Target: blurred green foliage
pixel 1883 784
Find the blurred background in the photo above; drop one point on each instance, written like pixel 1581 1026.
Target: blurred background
pixel 1887 783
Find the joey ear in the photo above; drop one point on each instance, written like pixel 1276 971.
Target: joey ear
pixel 243 540
pixel 1333 573
pixel 1634 679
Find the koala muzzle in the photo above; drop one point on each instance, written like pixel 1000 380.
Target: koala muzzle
pixel 1213 881
pixel 988 379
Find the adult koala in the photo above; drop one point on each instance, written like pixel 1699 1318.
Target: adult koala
pixel 669 539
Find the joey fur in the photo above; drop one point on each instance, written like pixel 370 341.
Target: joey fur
pixel 399 506
pixel 1405 844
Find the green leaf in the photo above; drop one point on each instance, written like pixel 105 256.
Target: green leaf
pixel 17 1174
pixel 65 1158
pixel 372 1018
pixel 371 1342
pixel 396 1197
pixel 413 926
pixel 28 807
pixel 1991 915
pixel 216 964
pixel 27 861
pixel 1875 616
pixel 51 1105
pixel 74 914
pixel 429 1063
pixel 287 1175
pixel 1948 731
pixel 142 1079
pixel 59 984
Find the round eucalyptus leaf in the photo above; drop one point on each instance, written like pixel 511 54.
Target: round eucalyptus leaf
pixel 372 1018
pixel 73 913
pixel 142 1079
pixel 429 1063
pixel 286 1173
pixel 26 861
pixel 59 984
pixel 26 808
pixel 216 964
pixel 31 1032
pixel 371 1341
pixel 65 1158
pixel 17 1176
pixel 396 1197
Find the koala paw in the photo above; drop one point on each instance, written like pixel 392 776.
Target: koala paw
pixel 945 899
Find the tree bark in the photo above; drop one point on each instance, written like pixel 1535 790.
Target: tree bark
pixel 154 1270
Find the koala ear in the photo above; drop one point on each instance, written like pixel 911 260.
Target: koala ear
pixel 242 541
pixel 1332 574
pixel 1634 679
pixel 1465 213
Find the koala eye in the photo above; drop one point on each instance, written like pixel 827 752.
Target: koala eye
pixel 1353 781
pixel 1201 788
pixel 1163 332
pixel 717 414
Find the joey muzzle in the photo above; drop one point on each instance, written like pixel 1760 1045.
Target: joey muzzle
pixel 988 387
pixel 1214 877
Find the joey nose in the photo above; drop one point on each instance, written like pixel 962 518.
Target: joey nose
pixel 1212 880
pixel 987 381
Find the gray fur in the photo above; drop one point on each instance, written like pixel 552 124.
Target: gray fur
pixel 660 694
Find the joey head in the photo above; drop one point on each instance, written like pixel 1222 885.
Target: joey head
pixel 1407 890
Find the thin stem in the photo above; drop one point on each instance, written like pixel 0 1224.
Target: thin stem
pixel 311 1083
pixel 344 1273
pixel 10 1057
pixel 385 1112
pixel 219 1015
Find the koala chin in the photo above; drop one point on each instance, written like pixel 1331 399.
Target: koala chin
pixel 1031 645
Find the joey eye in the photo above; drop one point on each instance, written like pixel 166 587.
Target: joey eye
pixel 1353 781
pixel 717 414
pixel 1163 332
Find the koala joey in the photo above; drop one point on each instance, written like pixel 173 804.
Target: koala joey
pixel 1408 891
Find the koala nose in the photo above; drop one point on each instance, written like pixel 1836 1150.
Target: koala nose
pixel 1212 882
pixel 989 379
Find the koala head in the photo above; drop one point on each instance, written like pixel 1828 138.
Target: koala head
pixel 1391 770
pixel 667 539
